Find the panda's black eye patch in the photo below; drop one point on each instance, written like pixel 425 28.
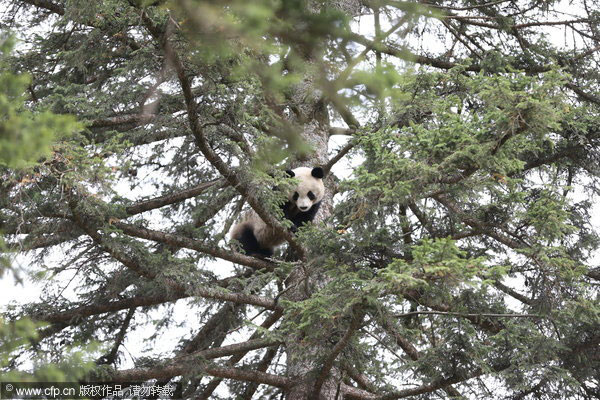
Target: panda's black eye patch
pixel 296 195
pixel 311 195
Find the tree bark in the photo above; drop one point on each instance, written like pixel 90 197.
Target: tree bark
pixel 303 363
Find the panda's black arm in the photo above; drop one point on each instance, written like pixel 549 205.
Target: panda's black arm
pixel 303 217
pixel 290 212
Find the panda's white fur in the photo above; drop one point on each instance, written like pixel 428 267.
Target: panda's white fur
pixel 257 238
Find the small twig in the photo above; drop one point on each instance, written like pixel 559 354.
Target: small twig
pixel 465 315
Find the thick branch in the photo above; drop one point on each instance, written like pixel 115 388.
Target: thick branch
pixel 359 378
pixel 229 174
pixel 206 292
pixel 47 5
pixel 74 315
pixel 212 385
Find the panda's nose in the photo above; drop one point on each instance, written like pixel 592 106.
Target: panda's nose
pixel 303 208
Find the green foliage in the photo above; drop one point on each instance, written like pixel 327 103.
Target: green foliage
pixel 25 136
pixel 434 260
pixel 515 115
pixel 73 365
pixel 383 82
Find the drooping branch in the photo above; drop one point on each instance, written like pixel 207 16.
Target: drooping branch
pixel 467 315
pixel 74 315
pixel 126 119
pixel 442 383
pixel 60 10
pixel 406 55
pixel 63 231
pixel 117 253
pixel 568 352
pixel 184 242
pixel 473 222
pixel 467 8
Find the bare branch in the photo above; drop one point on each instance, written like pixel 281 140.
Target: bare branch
pixel 112 355
pixel 341 153
pixel 484 5
pixel 513 293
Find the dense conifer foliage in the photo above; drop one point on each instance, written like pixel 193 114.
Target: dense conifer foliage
pixel 455 251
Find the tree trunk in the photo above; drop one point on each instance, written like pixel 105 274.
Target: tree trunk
pixel 302 360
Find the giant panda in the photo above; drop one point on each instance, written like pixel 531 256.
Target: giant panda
pixel 257 238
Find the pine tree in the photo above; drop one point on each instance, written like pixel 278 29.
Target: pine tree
pixel 453 256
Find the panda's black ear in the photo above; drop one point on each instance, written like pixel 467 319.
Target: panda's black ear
pixel 318 172
pixel 290 173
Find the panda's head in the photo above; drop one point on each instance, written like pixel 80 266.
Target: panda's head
pixel 310 189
